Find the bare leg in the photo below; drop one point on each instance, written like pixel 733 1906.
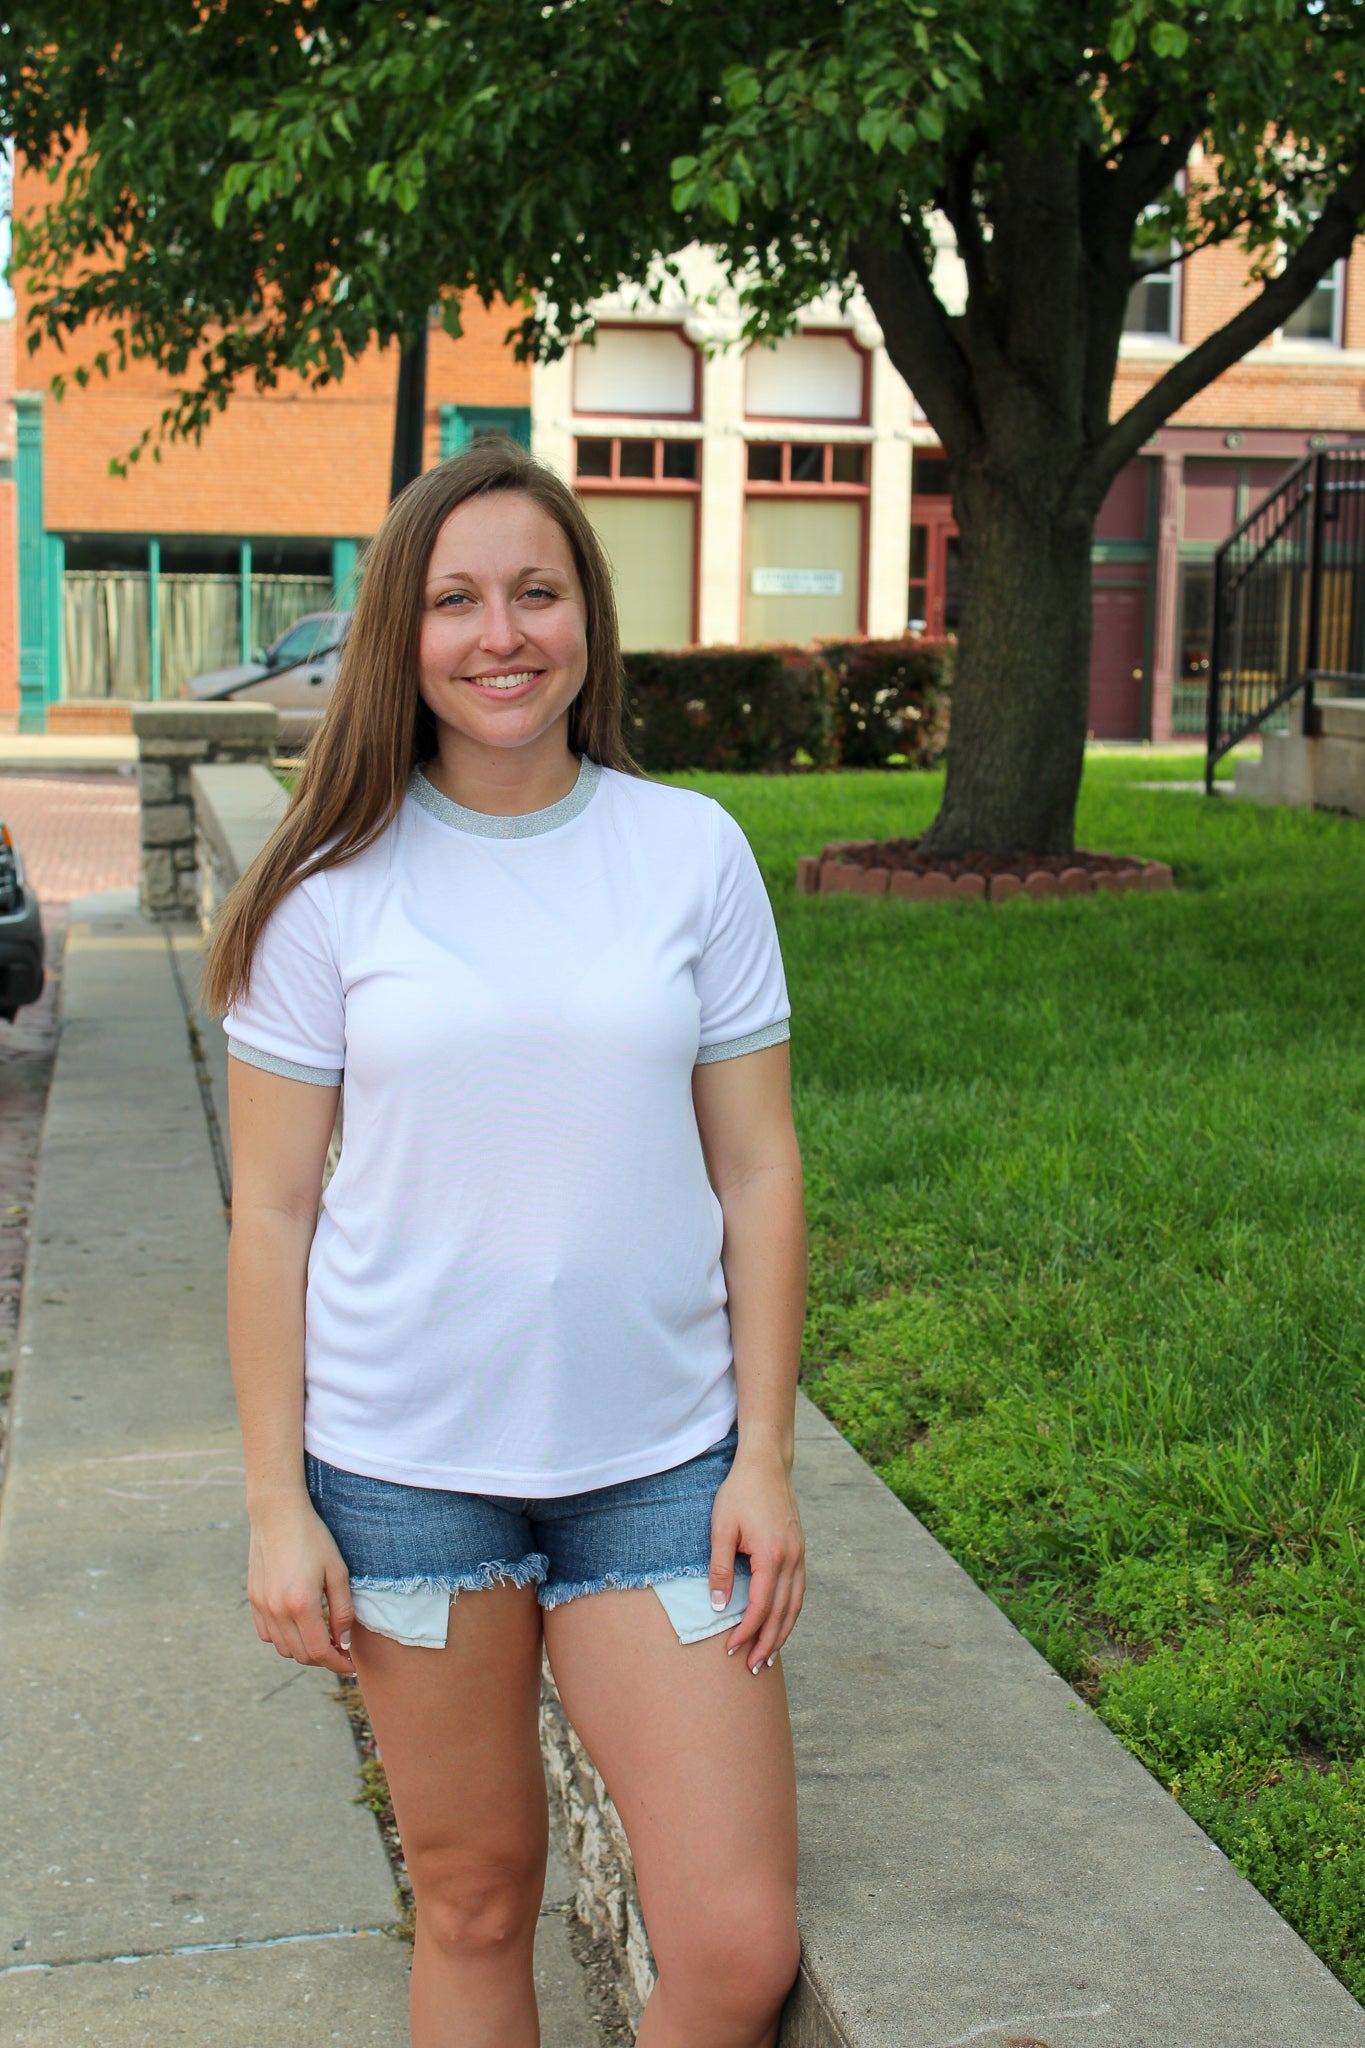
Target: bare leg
pixel 697 1755
pixel 457 1731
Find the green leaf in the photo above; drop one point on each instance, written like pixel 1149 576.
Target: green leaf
pixel 929 120
pixel 1169 39
pixel 1123 38
pixel 725 200
pixel 682 166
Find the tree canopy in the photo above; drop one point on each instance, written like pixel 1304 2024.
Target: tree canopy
pixel 244 187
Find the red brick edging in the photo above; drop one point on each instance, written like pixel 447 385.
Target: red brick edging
pixel 849 869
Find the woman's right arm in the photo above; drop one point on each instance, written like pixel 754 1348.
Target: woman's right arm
pixel 280 1133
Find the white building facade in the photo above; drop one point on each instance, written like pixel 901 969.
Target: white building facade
pixel 744 494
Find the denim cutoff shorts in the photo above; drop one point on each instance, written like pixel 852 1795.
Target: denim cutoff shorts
pixel 411 1549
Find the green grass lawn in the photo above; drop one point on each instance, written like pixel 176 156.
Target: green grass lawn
pixel 1087 1197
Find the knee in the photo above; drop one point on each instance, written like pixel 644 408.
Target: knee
pixel 469 1912
pixel 743 1963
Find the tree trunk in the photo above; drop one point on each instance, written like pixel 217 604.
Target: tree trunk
pixel 409 415
pixel 1020 701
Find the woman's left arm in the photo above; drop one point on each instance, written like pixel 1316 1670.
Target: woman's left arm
pixel 744 1115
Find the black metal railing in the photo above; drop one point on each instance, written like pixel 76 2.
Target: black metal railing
pixel 1289 601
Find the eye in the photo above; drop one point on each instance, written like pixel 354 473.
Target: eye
pixel 538 590
pixel 451 599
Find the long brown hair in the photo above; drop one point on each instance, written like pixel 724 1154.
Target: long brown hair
pixel 377 729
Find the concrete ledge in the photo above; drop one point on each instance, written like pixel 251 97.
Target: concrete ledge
pixel 251 725
pixel 982 1862
pixel 1327 772
pixel 237 806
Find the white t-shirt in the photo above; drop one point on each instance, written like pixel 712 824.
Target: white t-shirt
pixel 515 1284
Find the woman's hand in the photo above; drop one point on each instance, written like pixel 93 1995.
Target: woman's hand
pixel 298 1586
pixel 755 1511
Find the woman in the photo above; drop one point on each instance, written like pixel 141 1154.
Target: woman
pixel 528 1377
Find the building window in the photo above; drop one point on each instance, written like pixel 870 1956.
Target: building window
pixel 1153 303
pixel 623 460
pixel 807 377
pixel 1319 317
pixel 462 425
pixel 642 496
pixel 651 371
pixel 819 465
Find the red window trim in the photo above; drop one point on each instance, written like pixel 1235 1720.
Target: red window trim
pixel 784 488
pixel 864 418
pixel 632 487
pixel 641 327
pixel 683 486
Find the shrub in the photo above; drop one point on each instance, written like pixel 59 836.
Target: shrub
pixel 861 703
pixel 890 698
pixel 739 708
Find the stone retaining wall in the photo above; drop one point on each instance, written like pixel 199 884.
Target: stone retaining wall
pixel 172 740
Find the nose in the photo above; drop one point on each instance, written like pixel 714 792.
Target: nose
pixel 501 634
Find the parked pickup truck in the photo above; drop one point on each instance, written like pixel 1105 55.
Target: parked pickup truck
pixel 21 933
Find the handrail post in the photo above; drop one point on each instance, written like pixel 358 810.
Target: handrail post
pixel 1315 543
pixel 1215 669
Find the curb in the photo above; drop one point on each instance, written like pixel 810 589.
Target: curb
pixel 830 874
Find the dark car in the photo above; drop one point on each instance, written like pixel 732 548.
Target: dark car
pixel 21 933
pixel 295 674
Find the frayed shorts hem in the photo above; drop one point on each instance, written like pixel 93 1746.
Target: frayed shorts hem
pixel 416 1612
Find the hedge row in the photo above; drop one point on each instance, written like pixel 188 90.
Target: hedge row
pixel 837 703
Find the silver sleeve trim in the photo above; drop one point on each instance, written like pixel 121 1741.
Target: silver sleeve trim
pixel 731 1048
pixel 288 1070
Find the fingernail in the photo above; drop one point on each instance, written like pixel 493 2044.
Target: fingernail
pixel 345 1639
pixel 756 1668
pixel 717 1598
pixel 772 1660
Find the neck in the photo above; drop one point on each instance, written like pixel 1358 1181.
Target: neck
pixel 503 782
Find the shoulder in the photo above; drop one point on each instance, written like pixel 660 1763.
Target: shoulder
pixel 671 813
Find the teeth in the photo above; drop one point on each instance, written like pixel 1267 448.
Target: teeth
pixel 503 682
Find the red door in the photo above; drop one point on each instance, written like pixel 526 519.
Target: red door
pixel 935 580
pixel 1116 662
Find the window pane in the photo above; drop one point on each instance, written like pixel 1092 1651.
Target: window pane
pixel 637 458
pixel 765 462
pixel 849 465
pixel 650 541
pixel 594 458
pixel 1316 318
pixel 808 462
pixel 1150 306
pixel 680 459
pixel 929 477
pixel 919 553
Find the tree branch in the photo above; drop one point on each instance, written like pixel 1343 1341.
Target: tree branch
pixel 919 334
pixel 1327 241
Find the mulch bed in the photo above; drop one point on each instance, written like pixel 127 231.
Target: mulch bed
pixel 896 867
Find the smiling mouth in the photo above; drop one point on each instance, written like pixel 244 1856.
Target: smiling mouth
pixel 512 682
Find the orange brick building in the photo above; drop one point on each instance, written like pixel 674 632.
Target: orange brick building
pixel 129 584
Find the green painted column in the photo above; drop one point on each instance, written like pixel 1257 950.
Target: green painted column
pixel 244 600
pixel 54 594
pixel 344 553
pixel 154 619
pixel 34 616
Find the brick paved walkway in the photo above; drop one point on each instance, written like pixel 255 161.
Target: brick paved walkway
pixel 75 834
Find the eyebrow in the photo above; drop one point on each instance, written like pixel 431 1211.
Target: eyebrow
pixel 466 576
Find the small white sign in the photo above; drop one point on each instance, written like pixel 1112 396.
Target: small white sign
pixel 797 583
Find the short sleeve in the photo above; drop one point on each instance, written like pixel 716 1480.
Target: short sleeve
pixel 293 1019
pixel 739 976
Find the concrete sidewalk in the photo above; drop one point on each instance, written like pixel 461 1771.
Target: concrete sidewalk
pixel 181 1860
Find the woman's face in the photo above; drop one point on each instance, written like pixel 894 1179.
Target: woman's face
pixel 504 647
